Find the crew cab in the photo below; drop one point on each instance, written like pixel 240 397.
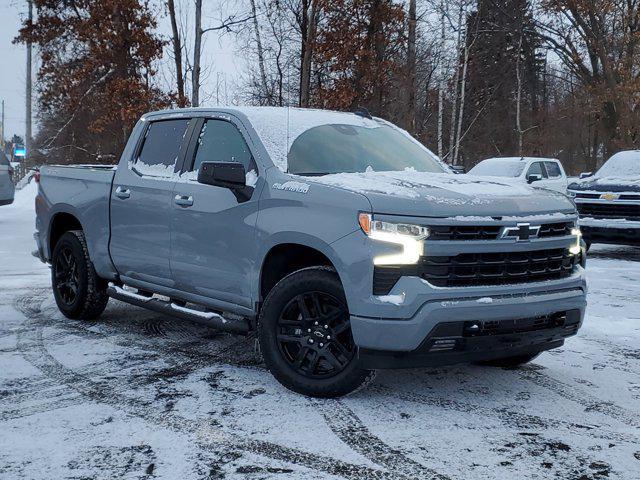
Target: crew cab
pixel 609 201
pixel 341 241
pixel 538 172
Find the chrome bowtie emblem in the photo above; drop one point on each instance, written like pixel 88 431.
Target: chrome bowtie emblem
pixel 521 232
pixel 609 196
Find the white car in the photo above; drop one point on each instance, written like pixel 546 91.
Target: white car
pixel 539 172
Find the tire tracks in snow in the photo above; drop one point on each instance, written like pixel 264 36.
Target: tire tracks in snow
pixel 349 428
pixel 576 395
pixel 34 350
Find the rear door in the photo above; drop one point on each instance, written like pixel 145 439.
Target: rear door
pixel 142 201
pixel 557 179
pixel 213 230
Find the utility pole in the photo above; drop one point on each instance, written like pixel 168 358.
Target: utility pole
pixel 27 136
pixel 2 135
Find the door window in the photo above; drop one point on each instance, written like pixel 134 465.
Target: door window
pixel 553 169
pixel 161 148
pixel 221 141
pixel 536 168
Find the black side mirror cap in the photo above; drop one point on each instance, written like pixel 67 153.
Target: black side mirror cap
pixel 223 174
pixel 586 174
pixel 534 178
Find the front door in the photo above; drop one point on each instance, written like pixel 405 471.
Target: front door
pixel 142 202
pixel 213 232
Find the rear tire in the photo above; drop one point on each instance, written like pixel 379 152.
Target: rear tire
pixel 80 294
pixel 511 362
pixel 305 335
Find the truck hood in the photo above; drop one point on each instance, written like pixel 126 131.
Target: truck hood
pixel 607 184
pixel 446 195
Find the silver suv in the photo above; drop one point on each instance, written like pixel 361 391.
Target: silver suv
pixel 6 181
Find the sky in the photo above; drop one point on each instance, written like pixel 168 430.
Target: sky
pixel 222 62
pixel 12 67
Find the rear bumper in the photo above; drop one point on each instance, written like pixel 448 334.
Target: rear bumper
pixel 39 251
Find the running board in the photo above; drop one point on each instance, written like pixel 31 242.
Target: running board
pixel 210 319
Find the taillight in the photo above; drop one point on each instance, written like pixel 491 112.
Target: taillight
pixel 36 176
pixel 11 173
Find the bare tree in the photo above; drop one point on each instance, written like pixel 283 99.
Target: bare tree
pixel 177 51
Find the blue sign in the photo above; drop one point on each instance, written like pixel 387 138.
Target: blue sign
pixel 19 151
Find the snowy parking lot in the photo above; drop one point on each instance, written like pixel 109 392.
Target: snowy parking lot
pixel 138 395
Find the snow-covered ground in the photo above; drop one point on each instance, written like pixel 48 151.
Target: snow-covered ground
pixel 138 395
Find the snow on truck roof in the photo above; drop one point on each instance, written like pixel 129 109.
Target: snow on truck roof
pixel 621 165
pixel 278 127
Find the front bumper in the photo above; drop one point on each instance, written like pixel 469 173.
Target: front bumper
pixel 618 232
pixel 521 302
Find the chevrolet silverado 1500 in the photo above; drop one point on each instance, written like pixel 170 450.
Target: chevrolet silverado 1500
pixel 341 241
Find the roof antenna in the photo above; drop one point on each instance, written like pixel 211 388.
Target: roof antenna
pixel 363 112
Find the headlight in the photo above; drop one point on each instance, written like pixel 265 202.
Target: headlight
pixel 576 249
pixel 407 235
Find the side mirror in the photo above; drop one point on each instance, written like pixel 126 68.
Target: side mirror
pixel 586 174
pixel 223 174
pixel 458 169
pixel 534 177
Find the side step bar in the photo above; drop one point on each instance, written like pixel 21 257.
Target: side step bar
pixel 210 319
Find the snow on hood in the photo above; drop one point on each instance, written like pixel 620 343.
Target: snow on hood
pixel 621 170
pixel 445 195
pixel 270 123
pixel 412 184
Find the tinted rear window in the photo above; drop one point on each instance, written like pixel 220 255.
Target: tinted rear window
pixel 162 143
pixel 553 169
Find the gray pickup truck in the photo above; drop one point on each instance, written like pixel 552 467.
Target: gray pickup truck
pixel 342 242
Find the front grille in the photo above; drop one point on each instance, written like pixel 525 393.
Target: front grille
pixel 470 269
pixel 491 232
pixel 479 269
pixel 611 210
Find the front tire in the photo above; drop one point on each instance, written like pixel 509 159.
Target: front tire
pixel 80 294
pixel 305 336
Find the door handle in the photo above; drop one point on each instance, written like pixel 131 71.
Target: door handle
pixel 123 193
pixel 184 200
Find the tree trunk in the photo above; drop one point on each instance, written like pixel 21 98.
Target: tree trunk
pixel 197 52
pixel 308 29
pixel 456 86
pixel 177 52
pixel 410 107
pixel 441 85
pixel 519 98
pixel 263 75
pixel 462 99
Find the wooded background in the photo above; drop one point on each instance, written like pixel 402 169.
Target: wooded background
pixel 471 79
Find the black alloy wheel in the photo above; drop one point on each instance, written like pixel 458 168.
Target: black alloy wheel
pixel 66 275
pixel 314 335
pixel 305 335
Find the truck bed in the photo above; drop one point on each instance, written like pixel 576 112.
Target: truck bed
pixel 83 191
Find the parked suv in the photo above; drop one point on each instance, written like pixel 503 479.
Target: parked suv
pixel 7 189
pixel 345 244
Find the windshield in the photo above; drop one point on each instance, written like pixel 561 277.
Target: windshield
pixel 498 168
pixel 340 148
pixel 623 164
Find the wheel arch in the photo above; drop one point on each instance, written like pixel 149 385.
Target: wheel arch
pixel 61 222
